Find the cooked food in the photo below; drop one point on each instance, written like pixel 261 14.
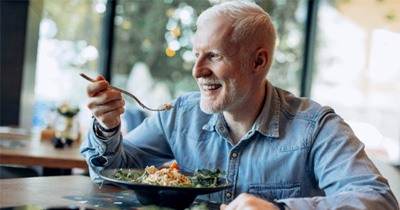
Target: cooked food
pixel 165 177
pixel 167 106
pixel 171 177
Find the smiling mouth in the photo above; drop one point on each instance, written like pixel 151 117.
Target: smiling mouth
pixel 209 84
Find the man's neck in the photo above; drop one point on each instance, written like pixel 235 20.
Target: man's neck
pixel 242 120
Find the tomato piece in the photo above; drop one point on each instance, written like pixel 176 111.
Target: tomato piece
pixel 174 165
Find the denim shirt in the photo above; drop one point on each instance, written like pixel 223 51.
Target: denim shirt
pixel 297 152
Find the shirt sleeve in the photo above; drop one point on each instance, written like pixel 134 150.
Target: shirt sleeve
pixel 342 169
pixel 137 149
pixel 98 151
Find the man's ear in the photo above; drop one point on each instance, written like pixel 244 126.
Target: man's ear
pixel 261 59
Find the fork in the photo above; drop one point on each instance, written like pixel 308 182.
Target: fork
pixel 162 108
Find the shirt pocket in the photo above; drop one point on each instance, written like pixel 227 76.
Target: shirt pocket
pixel 275 191
pixel 196 135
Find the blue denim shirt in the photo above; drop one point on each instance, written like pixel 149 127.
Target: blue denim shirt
pixel 297 151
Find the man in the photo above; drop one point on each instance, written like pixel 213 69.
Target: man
pixel 278 151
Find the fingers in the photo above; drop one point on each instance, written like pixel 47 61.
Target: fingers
pixel 97 87
pixel 105 104
pixel 248 202
pixel 238 203
pixel 223 206
pixel 107 116
pixel 107 108
pixel 110 99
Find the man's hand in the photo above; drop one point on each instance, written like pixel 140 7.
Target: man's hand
pixel 249 202
pixel 105 104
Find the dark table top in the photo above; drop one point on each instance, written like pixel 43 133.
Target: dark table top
pixel 74 192
pixel 48 192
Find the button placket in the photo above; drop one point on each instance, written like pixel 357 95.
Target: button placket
pixel 228 193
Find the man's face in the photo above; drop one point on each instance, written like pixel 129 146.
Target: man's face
pixel 223 81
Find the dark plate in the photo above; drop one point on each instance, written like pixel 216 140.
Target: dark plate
pixel 163 196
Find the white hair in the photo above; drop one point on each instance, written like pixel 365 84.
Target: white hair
pixel 252 26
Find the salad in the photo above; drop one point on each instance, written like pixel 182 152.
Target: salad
pixel 171 177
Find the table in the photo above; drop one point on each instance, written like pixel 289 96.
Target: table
pixel 74 192
pixel 50 191
pixel 35 152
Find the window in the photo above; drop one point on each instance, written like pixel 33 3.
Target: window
pixel 357 68
pixel 69 43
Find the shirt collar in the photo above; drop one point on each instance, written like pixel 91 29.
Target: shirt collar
pixel 212 123
pixel 267 123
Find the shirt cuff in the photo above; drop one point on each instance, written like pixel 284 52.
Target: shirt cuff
pixel 103 134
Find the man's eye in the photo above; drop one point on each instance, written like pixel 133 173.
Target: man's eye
pixel 214 55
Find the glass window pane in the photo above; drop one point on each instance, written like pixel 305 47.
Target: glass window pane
pixel 152 55
pixel 357 68
pixel 69 43
pixel 289 18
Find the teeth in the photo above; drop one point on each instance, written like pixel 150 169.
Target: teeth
pixel 210 87
pixel 209 83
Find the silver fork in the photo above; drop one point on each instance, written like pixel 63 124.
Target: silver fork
pixel 162 108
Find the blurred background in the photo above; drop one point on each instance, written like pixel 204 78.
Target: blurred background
pixel 341 53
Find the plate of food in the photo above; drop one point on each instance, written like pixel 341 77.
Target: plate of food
pixel 167 187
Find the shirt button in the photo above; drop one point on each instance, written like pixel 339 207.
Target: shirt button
pixel 228 195
pixel 234 154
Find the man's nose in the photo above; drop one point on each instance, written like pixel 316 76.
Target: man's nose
pixel 200 68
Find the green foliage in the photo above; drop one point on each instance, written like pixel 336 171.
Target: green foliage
pixel 205 177
pixel 140 36
pixel 67 111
